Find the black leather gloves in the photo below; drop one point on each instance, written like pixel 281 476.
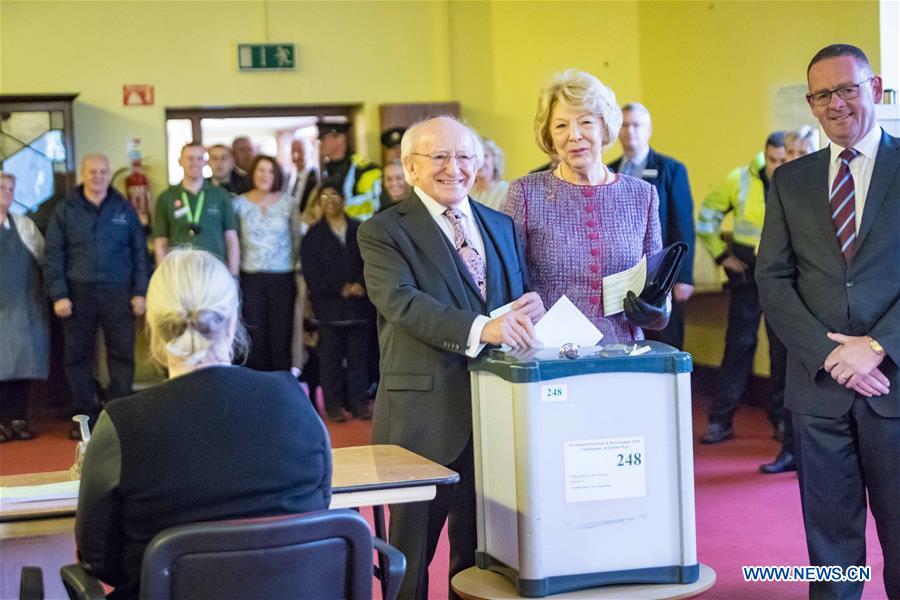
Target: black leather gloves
pixel 646 315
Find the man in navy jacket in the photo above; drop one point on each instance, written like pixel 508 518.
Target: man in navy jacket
pixel 96 275
pixel 676 207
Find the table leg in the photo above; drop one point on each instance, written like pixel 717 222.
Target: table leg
pixel 378 517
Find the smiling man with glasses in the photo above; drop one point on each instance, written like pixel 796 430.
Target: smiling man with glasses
pixel 829 278
pixel 436 265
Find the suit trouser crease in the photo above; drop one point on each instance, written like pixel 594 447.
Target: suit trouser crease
pixel 841 461
pixel 415 528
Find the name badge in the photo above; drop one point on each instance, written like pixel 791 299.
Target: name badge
pixel 181 212
pixel 651 173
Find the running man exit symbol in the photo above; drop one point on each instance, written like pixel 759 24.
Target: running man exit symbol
pixel 267 57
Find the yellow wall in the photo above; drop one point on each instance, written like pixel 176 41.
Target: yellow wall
pixel 707 70
pixel 709 74
pixel 348 52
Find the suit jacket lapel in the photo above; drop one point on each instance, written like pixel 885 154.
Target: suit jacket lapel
pixel 821 210
pixel 505 259
pixel 416 221
pixel 887 164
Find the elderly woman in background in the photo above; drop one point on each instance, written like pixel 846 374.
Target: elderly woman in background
pixel 269 225
pixel 489 188
pixel 215 441
pixel 333 269
pixel 580 222
pixel 395 188
pixel 800 142
pixel 23 314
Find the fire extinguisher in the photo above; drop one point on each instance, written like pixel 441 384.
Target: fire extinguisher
pixel 137 186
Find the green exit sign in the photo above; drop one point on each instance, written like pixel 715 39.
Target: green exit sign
pixel 266 57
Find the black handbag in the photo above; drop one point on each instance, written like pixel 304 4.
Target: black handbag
pixel 662 269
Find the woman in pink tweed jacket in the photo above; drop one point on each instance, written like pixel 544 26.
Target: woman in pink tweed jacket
pixel 581 222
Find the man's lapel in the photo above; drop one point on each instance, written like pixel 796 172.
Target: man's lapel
pixel 416 221
pixel 503 262
pixel 887 165
pixel 817 190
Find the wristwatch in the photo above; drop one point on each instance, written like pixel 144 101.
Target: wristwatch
pixel 876 347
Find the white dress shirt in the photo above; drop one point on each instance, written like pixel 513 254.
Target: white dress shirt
pixel 860 168
pixel 436 210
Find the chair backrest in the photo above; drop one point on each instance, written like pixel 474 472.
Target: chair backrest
pixel 322 554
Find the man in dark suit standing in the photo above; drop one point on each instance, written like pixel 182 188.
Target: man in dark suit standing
pixel 829 279
pixel 435 265
pixel 676 206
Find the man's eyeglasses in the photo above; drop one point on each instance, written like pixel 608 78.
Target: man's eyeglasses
pixel 848 92
pixel 442 159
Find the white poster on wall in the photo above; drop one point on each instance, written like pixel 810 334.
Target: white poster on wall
pixel 605 469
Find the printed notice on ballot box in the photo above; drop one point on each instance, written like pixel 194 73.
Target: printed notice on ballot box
pixel 605 469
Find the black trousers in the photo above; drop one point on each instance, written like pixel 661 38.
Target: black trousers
pixel 673 334
pixel 416 528
pixel 13 400
pixel 840 461
pixel 736 370
pixel 344 367
pixel 109 308
pixel 267 307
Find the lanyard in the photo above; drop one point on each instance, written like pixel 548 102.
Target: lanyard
pixel 193 218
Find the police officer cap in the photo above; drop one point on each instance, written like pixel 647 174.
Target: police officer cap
pixel 392 137
pixel 326 128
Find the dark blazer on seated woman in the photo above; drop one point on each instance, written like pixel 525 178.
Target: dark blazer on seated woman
pixel 220 442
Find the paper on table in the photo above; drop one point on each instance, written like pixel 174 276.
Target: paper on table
pixel 37 493
pixel 617 286
pixel 564 324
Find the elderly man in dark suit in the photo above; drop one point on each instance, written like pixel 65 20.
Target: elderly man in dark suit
pixel 435 265
pixel 676 206
pixel 829 279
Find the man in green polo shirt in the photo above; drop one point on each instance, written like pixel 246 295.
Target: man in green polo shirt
pixel 196 213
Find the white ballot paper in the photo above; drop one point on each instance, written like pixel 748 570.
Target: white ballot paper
pixel 617 286
pixel 564 324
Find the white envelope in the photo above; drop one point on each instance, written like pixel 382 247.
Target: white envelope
pixel 564 324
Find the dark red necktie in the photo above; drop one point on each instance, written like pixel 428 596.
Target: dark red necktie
pixel 843 204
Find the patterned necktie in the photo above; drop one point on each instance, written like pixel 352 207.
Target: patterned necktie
pixel 467 252
pixel 843 204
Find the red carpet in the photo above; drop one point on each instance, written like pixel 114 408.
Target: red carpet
pixel 743 516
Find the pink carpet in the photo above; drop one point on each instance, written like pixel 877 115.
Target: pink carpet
pixel 743 516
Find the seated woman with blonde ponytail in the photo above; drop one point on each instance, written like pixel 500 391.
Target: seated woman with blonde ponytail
pixel 215 441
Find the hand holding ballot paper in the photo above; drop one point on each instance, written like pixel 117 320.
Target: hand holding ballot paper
pixel 643 290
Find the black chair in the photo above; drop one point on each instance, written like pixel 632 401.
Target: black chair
pixel 323 554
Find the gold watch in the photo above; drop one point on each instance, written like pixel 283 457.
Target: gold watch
pixel 876 347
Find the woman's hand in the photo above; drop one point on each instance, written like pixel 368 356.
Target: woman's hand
pixel 645 315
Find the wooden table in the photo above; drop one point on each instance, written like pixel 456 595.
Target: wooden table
pixel 481 584
pixel 40 533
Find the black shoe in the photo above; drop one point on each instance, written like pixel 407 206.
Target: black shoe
pixel 717 433
pixel 5 433
pixel 783 463
pixel 20 430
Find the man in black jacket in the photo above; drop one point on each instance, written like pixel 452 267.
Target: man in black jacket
pixel 96 275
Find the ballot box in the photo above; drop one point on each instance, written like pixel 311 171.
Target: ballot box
pixel 584 467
